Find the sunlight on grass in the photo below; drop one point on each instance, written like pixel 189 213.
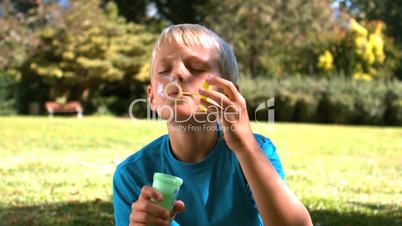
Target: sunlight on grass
pixel 54 168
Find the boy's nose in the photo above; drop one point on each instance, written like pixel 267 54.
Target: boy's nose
pixel 179 73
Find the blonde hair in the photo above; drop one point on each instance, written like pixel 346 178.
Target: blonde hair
pixel 192 35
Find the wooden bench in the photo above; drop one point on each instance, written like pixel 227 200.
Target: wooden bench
pixel 73 106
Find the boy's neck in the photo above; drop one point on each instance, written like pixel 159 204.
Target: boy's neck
pixel 192 142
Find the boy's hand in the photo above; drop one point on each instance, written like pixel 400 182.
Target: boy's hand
pixel 145 212
pixel 232 113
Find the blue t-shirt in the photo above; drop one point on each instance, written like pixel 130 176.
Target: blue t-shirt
pixel 215 191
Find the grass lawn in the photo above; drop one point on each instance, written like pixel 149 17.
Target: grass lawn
pixel 59 171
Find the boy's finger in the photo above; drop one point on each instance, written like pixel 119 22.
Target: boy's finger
pixel 148 193
pixel 228 87
pixel 211 108
pixel 216 96
pixel 173 216
pixel 152 208
pixel 179 206
pixel 147 219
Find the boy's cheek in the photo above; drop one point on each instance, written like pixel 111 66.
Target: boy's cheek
pixel 156 102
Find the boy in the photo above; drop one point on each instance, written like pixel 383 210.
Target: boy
pixel 231 176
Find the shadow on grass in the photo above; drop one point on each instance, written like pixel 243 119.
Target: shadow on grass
pixel 96 212
pixel 375 215
pixel 101 213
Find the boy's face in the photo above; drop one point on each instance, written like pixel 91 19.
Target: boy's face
pixel 188 67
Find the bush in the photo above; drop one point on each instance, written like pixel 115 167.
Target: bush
pixel 393 114
pixel 339 108
pixel 308 92
pixel 306 108
pixel 257 91
pixel 370 102
pixel 329 100
pixel 285 104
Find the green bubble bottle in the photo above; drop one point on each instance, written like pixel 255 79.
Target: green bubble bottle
pixel 169 186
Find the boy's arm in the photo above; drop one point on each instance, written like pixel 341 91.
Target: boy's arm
pixel 123 189
pixel 276 203
pixel 270 153
pixel 278 206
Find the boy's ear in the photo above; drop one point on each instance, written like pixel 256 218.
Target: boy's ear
pixel 151 97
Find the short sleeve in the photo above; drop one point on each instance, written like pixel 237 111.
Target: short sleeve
pixel 125 191
pixel 270 152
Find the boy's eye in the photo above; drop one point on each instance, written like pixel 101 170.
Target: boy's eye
pixel 163 71
pixel 197 69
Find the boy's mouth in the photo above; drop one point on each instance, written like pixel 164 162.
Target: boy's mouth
pixel 173 90
pixel 173 93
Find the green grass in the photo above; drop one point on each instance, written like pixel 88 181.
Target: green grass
pixel 59 171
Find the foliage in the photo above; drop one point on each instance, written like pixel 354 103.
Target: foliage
pixel 134 11
pixel 275 38
pixel 87 48
pixel 369 48
pixel 389 11
pixel 176 11
pixel 394 104
pixel 7 93
pixel 330 100
pixel 354 50
pixel 325 62
pixel 16 41
pixel 265 34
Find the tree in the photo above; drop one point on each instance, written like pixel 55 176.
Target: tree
pixel 83 48
pixel 265 34
pixel 134 11
pixel 172 11
pixel 16 39
pixel 389 11
pixel 181 11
